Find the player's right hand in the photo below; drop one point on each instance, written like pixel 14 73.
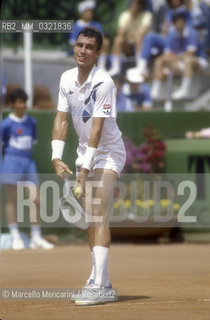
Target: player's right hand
pixel 61 168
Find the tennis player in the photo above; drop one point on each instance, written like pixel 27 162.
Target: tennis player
pixel 90 95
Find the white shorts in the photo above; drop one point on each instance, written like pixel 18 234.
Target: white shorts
pixel 105 159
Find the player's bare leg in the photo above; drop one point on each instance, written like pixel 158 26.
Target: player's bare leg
pixel 99 232
pixel 99 240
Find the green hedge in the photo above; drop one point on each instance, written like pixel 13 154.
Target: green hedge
pixel 171 125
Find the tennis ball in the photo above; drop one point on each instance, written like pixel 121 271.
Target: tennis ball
pixel 77 191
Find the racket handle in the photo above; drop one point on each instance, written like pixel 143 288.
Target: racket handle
pixel 65 180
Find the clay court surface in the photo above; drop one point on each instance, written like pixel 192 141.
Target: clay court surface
pixel 154 282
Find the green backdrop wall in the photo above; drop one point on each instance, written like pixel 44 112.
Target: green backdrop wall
pixel 172 127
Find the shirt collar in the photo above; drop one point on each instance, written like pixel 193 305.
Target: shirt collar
pixel 185 33
pixel 89 79
pixel 16 119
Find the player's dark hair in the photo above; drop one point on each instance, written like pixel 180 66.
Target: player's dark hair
pixel 18 94
pixel 91 32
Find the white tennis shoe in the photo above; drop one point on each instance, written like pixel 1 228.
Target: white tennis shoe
pixel 96 295
pixel 40 243
pixel 76 293
pixel 18 244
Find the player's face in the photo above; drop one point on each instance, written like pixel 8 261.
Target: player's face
pixel 19 107
pixel 85 51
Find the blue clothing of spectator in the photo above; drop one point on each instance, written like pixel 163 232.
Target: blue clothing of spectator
pixel 141 98
pixel 123 103
pixel 79 25
pixel 154 43
pixel 189 40
pixel 149 5
pixel 170 13
pixel 19 136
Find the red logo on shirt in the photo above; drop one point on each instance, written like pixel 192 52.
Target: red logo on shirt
pixel 106 106
pixel 19 131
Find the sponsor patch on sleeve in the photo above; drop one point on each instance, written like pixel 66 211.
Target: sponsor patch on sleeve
pixel 107 109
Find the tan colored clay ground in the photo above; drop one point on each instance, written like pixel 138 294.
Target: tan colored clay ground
pixel 154 281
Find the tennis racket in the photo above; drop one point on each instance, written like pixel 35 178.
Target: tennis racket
pixel 71 209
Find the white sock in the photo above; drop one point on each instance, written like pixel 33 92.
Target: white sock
pixel 142 65
pixel 156 87
pixel 93 272
pixel 35 231
pixel 102 270
pixel 106 280
pixel 102 61
pixel 116 62
pixel 186 82
pixel 13 229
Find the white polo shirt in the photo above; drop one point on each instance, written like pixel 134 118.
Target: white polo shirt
pixel 95 98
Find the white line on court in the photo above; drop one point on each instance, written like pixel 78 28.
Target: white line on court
pixel 128 304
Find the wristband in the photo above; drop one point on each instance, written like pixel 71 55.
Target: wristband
pixel 89 155
pixel 57 149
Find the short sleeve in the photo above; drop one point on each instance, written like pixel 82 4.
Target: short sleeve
pixel 62 98
pixel 34 130
pixel 105 100
pixel 5 131
pixel 192 43
pixel 146 20
pixel 124 20
pixel 168 44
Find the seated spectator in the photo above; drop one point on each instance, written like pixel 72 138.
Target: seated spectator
pixel 183 55
pixel 200 13
pixel 137 91
pixel 123 102
pixel 149 5
pixel 154 43
pixel 86 11
pixel 159 10
pixel 203 133
pixel 133 24
pixel 207 39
